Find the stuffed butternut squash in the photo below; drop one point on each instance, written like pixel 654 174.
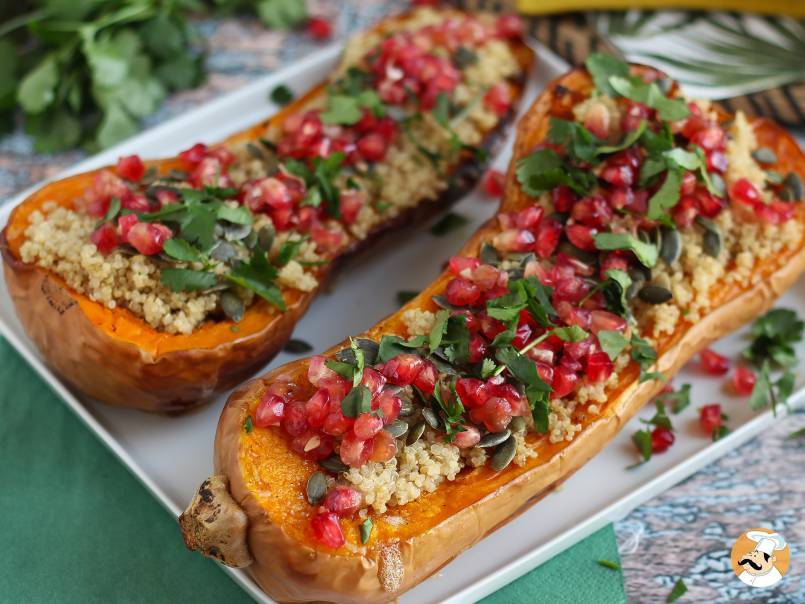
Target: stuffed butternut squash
pixel 156 284
pixel 636 228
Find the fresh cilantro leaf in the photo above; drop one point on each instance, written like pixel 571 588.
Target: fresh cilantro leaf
pixel 360 362
pixel 602 67
pixel 37 90
pixel 719 432
pixel 235 215
pixel 634 88
pixel 645 356
pixel 112 211
pixel 441 110
pixel 579 142
pixel 646 253
pixel 666 197
pixel 248 424
pixel 463 57
pixel 540 408
pixel 660 418
pixel 488 368
pixel 544 169
pixel 181 250
pixel 187 280
pixel 642 440
pixel 456 340
pixel 438 329
pixel 613 343
pixel 796 434
pixel 678 591
pixel 449 222
pixel 288 251
pixel 614 289
pixel 281 95
pixel 357 401
pixel 391 346
pixel 630 139
pixel 343 110
pixel 773 337
pixel 281 14
pixel 571 333
pixel 366 530
pixel 677 399
pixel 258 275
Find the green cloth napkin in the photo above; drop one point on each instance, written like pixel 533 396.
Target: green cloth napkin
pixel 77 527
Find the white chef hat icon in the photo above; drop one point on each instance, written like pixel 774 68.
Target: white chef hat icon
pixel 767 542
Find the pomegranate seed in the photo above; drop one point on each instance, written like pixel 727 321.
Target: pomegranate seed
pixel 688 183
pixel 712 137
pixel 384 447
pixel 317 408
pixel 618 175
pixel 514 240
pixel 367 425
pixel 294 422
pixel 564 382
pixel 354 451
pixel 336 424
pixel 548 235
pixel 563 198
pixel 498 99
pixel 593 212
pixel 390 404
pixel 509 26
pixel 478 348
pixel 469 391
pixel 131 167
pixel 599 367
pixel 493 183
pixel 709 204
pixel 313 445
pixel 326 530
pixel 713 363
pixel 685 212
pixel 661 439
pixel 497 413
pixel 373 380
pixel 717 161
pixel 469 437
pixel 529 218
pixel 343 501
pixel 125 223
pixel 745 191
pixel 581 236
pixel 743 381
pixel 636 113
pixel 136 203
pixel 426 379
pixel 545 372
pixel 461 292
pixel 194 154
pixel 710 418
pixel 403 369
pixel 372 147
pixel 522 335
pixel 269 411
pixel 613 261
pixel 491 327
pixel 105 238
pixel 319 28
pixel 350 204
pixel 603 320
pixel 148 238
pixel 459 264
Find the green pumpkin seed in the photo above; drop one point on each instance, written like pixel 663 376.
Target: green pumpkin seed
pixel 236 232
pixel 517 425
pixel 718 183
pixel 655 294
pixel 774 177
pixel 639 271
pixel 794 188
pixel 711 240
pixel 265 238
pixel 494 439
pixel 489 255
pixel 232 306
pixel 415 433
pixel 223 252
pixel 431 418
pixel 671 247
pixel 296 346
pixel 635 286
pixel 316 487
pixel 407 408
pixel 764 155
pixel 397 428
pixel 334 464
pixel 504 454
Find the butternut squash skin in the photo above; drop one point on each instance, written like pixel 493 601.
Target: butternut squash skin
pixel 268 480
pixel 116 357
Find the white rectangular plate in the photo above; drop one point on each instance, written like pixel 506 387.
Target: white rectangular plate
pixel 171 456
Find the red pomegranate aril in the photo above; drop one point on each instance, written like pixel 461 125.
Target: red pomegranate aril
pixel 343 501
pixel 105 238
pixel 373 380
pixel 148 238
pixel 336 424
pixel 131 167
pixel 635 114
pixel 545 372
pixel 319 28
pixel 194 154
pixel 745 191
pixel 327 530
pixel 459 264
pixel 717 161
pixel 619 175
pixel 384 447
pixel 355 451
pixel 509 26
pixel 403 369
pixel 743 381
pixel 493 183
pixel 710 418
pixel 709 204
pixel 497 413
pixel 522 335
pixel 685 212
pixel 593 212
pixel 661 439
pixel 313 445
pixel 498 99
pixel 136 203
pixel 599 367
pixel 460 292
pixel 294 422
pixel 469 391
pixel 530 217
pixel 564 382
pixel 270 411
pixel 318 370
pixel 372 147
pixel 367 425
pixel 709 138
pixel 581 236
pixel 548 235
pixel 317 408
pixel 776 212
pixel 603 320
pixel 714 363
pixel 389 404
pixel 125 223
pixel 614 261
pixel 563 198
pixel 689 183
pixel 491 327
pixel 426 379
pixel 514 240
pixel 478 348
pixel 467 438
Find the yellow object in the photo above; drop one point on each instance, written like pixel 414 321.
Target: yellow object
pixel 768 7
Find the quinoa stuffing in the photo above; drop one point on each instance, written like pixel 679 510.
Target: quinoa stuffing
pixel 640 207
pixel 253 220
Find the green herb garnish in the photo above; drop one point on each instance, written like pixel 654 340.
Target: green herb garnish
pixel 281 95
pixel 366 530
pixel 609 564
pixel 678 591
pixel 646 253
pixel 447 223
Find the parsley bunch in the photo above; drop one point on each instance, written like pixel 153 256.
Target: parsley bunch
pixel 85 72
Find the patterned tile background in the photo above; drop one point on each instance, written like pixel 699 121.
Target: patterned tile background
pixel 687 531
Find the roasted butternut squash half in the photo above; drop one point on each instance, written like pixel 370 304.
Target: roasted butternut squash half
pixel 636 227
pixel 157 284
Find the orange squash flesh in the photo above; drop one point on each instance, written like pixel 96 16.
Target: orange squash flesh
pixel 268 480
pixel 116 357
